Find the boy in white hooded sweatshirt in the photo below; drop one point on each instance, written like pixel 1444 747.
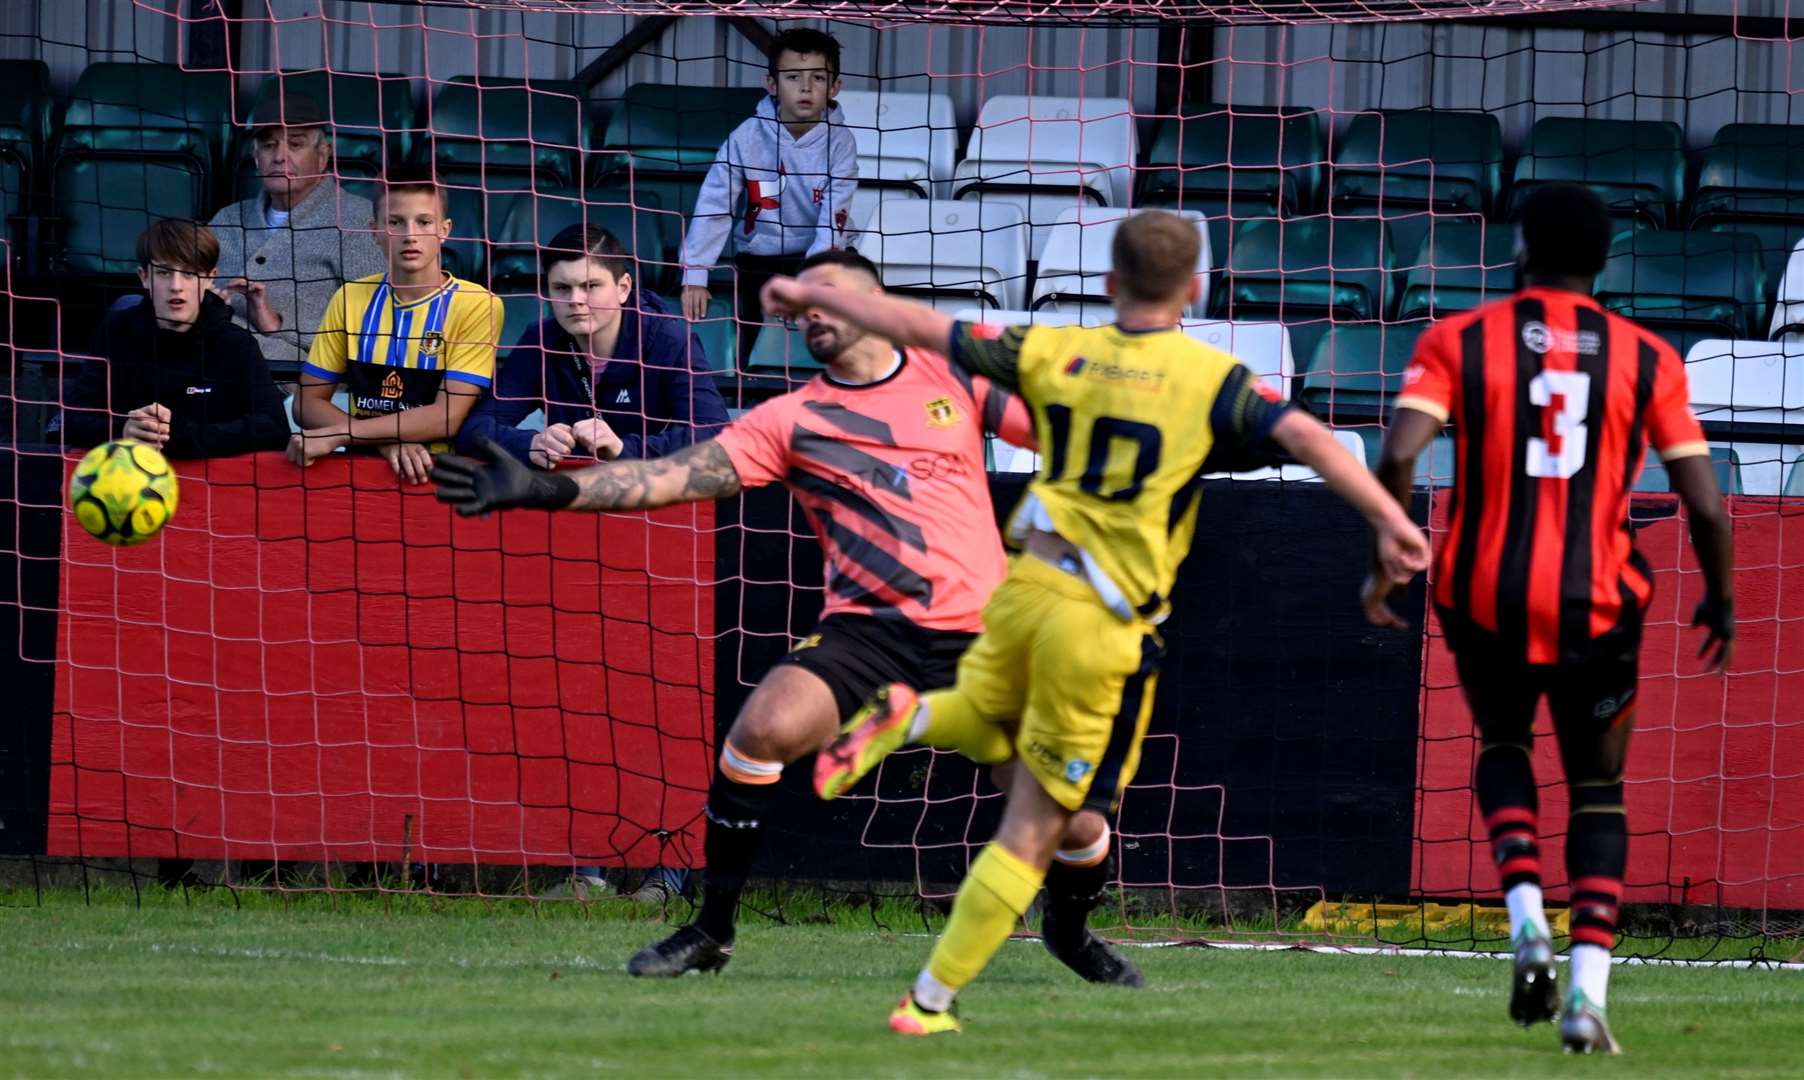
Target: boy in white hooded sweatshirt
pixel 790 169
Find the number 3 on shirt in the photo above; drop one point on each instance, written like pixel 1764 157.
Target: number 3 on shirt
pixel 1559 455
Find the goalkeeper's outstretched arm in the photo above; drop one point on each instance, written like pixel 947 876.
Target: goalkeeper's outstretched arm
pixel 694 474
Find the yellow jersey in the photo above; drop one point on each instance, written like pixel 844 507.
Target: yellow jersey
pixel 394 356
pixel 1128 423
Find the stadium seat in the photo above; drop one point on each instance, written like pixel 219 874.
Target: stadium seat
pixel 1421 158
pixel 1458 267
pixel 1725 461
pixel 1752 181
pixel 372 124
pixel 907 145
pixel 659 143
pixel 1235 162
pixel 1358 368
pixel 1686 286
pixel 1435 466
pixel 669 128
pixel 1304 271
pixel 1637 166
pixel 953 253
pixel 1412 167
pixel 1046 154
pixel 528 220
pixel 1794 480
pixel 24 127
pixel 1078 255
pixel 1788 306
pixel 780 350
pixel 138 142
pixel 508 133
pixel 1749 382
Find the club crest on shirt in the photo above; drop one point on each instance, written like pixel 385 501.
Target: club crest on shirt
pixel 432 343
pixel 941 413
pixel 391 386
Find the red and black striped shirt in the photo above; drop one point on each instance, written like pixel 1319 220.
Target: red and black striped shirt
pixel 1553 401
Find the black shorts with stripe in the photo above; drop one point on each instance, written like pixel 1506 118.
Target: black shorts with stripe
pixel 855 655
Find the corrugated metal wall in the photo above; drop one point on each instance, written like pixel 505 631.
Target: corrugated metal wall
pixel 1519 75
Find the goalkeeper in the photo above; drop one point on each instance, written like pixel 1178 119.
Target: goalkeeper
pixel 885 452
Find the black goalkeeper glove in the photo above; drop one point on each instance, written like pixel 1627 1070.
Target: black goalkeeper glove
pixel 473 487
pixel 1717 615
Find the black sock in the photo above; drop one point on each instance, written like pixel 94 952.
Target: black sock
pixel 735 832
pixel 1072 892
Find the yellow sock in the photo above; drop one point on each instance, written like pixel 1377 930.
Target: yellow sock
pixel 991 901
pixel 954 724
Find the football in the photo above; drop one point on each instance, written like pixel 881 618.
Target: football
pixel 123 492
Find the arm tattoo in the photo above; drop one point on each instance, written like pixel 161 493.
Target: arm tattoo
pixel 693 474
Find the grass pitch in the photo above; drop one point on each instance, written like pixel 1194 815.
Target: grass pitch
pixel 464 989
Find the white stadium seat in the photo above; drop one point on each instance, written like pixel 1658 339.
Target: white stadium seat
pixel 1788 306
pixel 1750 381
pixel 1046 154
pixel 1079 252
pixel 950 252
pixel 907 145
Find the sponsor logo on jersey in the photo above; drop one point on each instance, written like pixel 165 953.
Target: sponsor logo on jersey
pixel 391 386
pixel 1131 378
pixel 1075 769
pixel 1541 339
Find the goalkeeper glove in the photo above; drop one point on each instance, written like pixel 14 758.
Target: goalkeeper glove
pixel 1716 614
pixel 472 487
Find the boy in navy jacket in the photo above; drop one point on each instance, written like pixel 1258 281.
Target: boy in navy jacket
pixel 618 375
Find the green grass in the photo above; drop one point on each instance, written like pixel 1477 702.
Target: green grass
pixel 461 988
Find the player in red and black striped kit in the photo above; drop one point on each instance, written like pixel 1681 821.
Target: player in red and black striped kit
pixel 1553 403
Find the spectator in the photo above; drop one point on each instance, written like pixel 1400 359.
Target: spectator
pixel 176 372
pixel 415 346
pixel 285 252
pixel 617 375
pixel 795 173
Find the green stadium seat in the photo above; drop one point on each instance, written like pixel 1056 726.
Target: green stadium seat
pixel 1752 181
pixel 1423 158
pixel 1307 268
pixel 678 129
pixel 1637 166
pixel 1725 461
pixel 509 132
pixel 372 123
pixel 780 350
pixel 1233 162
pixel 659 143
pixel 1688 287
pixel 1458 267
pixel 476 219
pixel 1359 368
pixel 1794 482
pixel 24 128
pixel 718 331
pixel 138 142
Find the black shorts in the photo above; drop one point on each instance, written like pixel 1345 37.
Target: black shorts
pixel 855 655
pixel 1586 697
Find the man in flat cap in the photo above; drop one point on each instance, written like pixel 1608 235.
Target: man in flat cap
pixel 285 251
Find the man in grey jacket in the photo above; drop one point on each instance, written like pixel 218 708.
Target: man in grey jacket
pixel 283 253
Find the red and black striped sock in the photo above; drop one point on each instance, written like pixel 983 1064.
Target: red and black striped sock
pixel 1506 795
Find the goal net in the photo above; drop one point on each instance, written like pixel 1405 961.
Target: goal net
pixel 316 679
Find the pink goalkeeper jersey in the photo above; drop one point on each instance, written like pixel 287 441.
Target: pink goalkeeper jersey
pixel 891 475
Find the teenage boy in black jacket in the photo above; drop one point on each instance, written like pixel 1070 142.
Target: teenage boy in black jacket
pixel 173 370
pixel 617 375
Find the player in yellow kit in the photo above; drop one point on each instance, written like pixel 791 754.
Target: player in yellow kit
pixel 1130 416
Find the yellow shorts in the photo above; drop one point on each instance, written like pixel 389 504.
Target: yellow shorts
pixel 1079 679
